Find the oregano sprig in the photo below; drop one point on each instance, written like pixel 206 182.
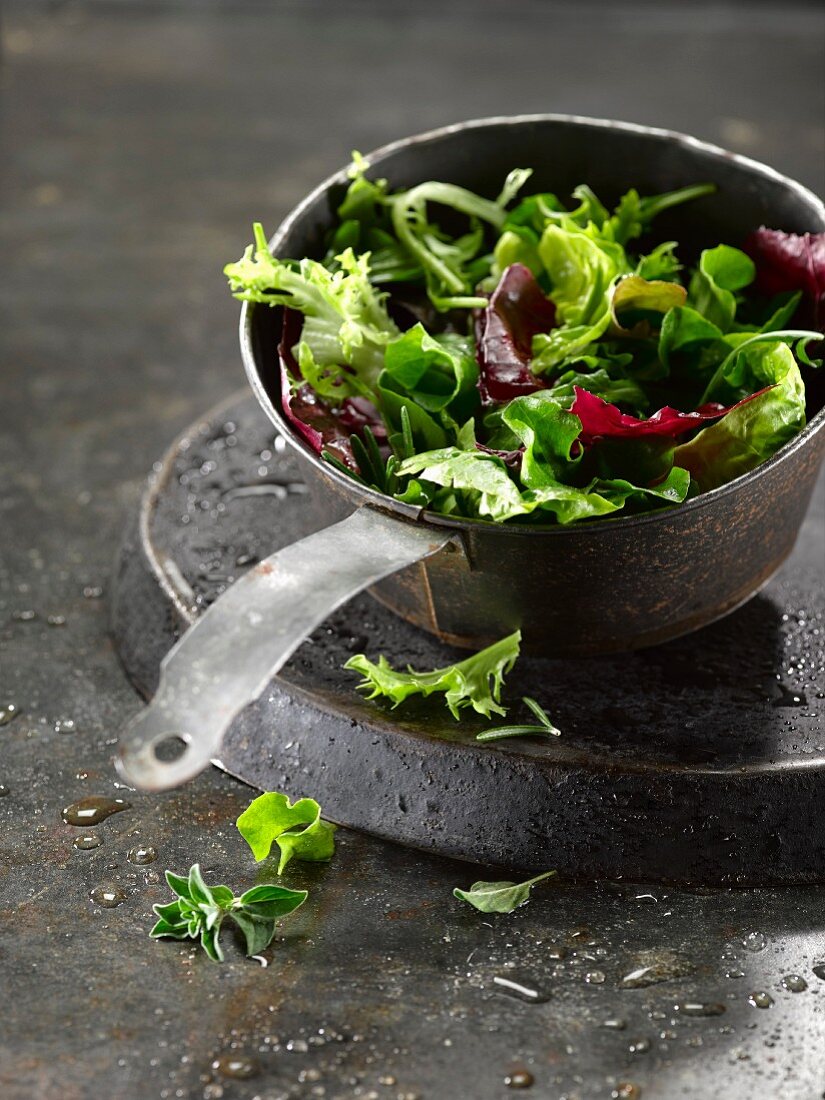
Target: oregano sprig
pixel 199 910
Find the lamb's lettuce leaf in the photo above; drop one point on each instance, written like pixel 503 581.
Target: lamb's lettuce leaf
pixel 721 272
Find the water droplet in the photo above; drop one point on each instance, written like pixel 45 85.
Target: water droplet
pixel 142 854
pixel 653 967
pixel 26 616
pixel 626 1090
pixel 760 999
pixel 615 1024
pixel 297 1046
pixel 56 620
pixel 8 712
pixel 700 1008
pixel 4 790
pixel 755 941
pixel 595 977
pixel 790 698
pixel 794 983
pixel 735 973
pixel 819 970
pixel 519 991
pixel 639 1046
pixel 93 810
pixel 64 725
pixel 151 878
pixel 92 592
pixel 109 896
pixel 235 1065
pixel 519 1079
pixel 86 841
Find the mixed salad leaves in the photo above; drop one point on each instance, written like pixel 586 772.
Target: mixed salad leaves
pixel 521 361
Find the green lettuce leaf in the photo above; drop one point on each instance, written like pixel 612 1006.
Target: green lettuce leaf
pixel 475 682
pixel 345 319
pixel 581 268
pixel 721 271
pixel 438 372
pixel 492 492
pixel 297 829
pixel 751 432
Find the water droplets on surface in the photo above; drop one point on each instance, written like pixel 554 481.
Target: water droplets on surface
pixel 108 896
pixel 8 712
pixel 755 941
pixel 700 1008
pixel 56 620
pixel 519 1079
pixel 819 970
pixel 86 841
pixel 615 1024
pixel 626 1090
pixel 93 809
pixel 142 854
pixel 595 977
pixel 653 967
pixel 519 991
pixel 4 790
pixel 760 999
pixel 794 983
pixel 64 725
pixel 237 1066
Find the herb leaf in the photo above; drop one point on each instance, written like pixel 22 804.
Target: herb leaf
pixel 544 729
pixel 199 911
pixel 475 682
pixel 296 828
pixel 499 897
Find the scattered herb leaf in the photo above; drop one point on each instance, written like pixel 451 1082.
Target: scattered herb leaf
pixel 499 897
pixel 545 728
pixel 199 910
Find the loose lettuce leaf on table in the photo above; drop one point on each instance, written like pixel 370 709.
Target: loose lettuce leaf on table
pixel 297 829
pixel 474 682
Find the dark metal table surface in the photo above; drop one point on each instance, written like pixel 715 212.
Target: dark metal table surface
pixel 137 142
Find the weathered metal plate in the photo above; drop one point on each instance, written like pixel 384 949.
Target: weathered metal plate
pixel 702 760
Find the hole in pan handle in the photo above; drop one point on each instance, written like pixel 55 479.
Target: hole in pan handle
pixel 226 659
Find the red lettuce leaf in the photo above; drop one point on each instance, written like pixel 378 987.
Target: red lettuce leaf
pixel 601 420
pixel 517 311
pixel 511 459
pixel 786 261
pixel 323 426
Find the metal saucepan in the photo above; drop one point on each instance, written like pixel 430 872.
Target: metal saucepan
pixel 593 588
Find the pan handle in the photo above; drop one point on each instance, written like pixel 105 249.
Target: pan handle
pixel 226 659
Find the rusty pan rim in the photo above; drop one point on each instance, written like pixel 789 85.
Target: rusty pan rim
pixel 368 496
